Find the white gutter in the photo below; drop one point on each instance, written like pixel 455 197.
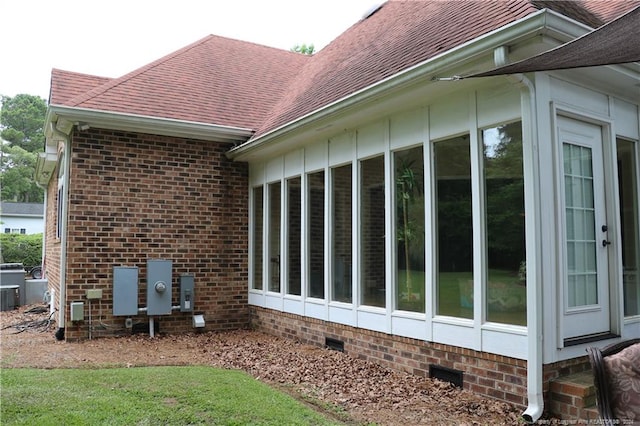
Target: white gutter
pixel 43 255
pixel 541 21
pixel 145 124
pixel 62 313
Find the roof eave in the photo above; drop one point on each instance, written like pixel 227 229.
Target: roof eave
pixel 542 21
pixel 60 120
pixel 65 117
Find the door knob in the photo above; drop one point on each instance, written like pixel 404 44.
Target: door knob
pixel 604 228
pixel 605 243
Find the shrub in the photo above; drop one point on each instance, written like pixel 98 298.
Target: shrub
pixel 20 248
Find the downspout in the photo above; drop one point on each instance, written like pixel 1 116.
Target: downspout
pixel 62 313
pixel 535 395
pixel 43 252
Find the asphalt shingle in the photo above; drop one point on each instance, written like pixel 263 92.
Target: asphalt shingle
pixel 229 82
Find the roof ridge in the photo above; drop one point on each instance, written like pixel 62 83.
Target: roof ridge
pixel 77 100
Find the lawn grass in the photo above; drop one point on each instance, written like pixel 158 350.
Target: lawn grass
pixel 146 396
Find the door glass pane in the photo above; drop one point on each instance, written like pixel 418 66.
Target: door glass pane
pixel 257 237
pixel 506 290
pixel 409 229
pixel 274 236
pixel 629 217
pixel 580 222
pixel 294 229
pixel 316 234
pixel 455 227
pixel 372 231
pixel 341 235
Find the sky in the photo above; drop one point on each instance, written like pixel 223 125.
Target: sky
pixel 110 38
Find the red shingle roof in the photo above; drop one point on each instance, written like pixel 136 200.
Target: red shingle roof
pixel 399 35
pixel 608 10
pixel 214 81
pixel 66 85
pixel 234 83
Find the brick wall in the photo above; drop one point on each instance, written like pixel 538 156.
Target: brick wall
pixel 134 197
pixel 487 374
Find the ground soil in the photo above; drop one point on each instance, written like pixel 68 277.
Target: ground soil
pixel 351 390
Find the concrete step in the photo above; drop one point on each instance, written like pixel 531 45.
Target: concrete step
pixel 573 397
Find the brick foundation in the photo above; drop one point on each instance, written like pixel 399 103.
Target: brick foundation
pixel 487 374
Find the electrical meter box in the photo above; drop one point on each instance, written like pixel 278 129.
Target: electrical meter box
pixel 125 290
pixel 159 287
pixel 187 295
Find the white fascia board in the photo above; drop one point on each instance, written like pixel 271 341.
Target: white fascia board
pixel 541 22
pixel 147 124
pixel 45 165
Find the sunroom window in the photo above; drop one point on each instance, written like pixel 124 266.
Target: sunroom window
pixel 274 236
pixel 372 232
pixel 504 219
pixel 316 233
pixel 341 234
pixel 629 217
pixel 409 229
pixel 257 248
pixel 294 230
pixel 454 227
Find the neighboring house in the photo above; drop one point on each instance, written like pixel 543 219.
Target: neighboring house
pixel 483 228
pixel 22 218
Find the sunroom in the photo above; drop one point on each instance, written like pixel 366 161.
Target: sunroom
pixel 412 224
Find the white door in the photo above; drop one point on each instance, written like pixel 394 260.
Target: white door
pixel 585 282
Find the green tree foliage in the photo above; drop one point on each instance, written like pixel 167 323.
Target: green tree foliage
pixel 16 176
pixel 20 248
pixel 21 129
pixel 305 49
pixel 22 120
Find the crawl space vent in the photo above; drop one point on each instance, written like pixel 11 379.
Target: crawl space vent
pixel 446 374
pixel 334 344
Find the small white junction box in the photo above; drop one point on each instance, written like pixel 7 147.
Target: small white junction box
pixel 198 321
pixel 77 311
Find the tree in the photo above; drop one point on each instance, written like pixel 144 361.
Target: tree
pixel 305 49
pixel 22 121
pixel 22 133
pixel 16 176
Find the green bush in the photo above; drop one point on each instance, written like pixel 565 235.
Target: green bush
pixel 20 248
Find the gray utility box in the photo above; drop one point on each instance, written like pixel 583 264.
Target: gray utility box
pixel 9 297
pixel 14 274
pixel 159 276
pixel 187 294
pixel 125 290
pixel 35 291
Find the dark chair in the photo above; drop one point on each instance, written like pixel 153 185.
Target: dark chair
pixel 603 382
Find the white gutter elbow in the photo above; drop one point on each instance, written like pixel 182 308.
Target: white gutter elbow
pixel 534 410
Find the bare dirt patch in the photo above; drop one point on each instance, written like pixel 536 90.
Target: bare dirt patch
pixel 353 390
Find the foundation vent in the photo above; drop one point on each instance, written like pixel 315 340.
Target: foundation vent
pixel 334 344
pixel 446 374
